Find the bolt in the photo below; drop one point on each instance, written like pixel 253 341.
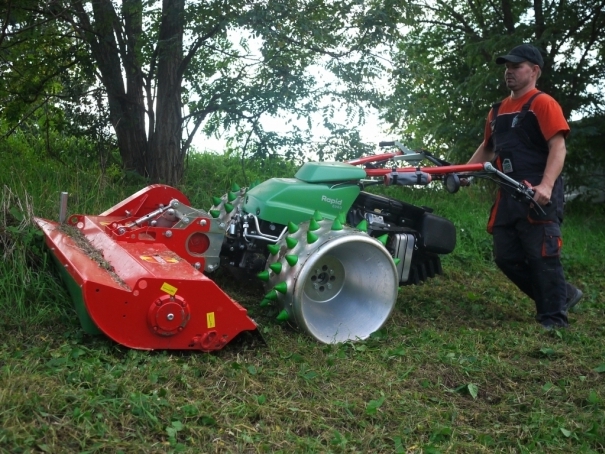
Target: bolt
pixel 168 233
pixel 197 265
pixel 315 286
pixel 170 317
pixel 203 222
pixel 121 231
pixel 222 225
pixel 329 286
pixel 153 223
pixel 175 203
pixel 128 213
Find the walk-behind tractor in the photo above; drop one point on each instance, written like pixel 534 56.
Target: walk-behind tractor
pixel 330 255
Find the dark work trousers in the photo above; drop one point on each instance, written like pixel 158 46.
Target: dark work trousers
pixel 528 253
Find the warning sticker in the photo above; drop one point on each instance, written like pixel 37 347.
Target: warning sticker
pixel 210 320
pixel 159 259
pixel 166 287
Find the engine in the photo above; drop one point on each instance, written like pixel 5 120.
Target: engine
pixel 415 236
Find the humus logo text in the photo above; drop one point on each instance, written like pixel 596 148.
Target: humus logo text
pixel 336 203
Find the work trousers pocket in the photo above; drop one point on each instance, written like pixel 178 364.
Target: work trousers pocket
pixel 552 241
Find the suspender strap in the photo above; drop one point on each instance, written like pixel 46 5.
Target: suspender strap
pixel 495 108
pixel 526 107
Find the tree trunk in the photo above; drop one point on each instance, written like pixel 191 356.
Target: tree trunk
pixel 165 159
pixel 113 57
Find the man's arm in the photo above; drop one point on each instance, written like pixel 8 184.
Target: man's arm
pixel 482 154
pixel 554 166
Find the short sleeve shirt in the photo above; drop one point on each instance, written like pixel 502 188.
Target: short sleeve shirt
pixel 544 107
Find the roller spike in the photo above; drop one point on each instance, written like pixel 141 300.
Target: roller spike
pixel 281 287
pixel 317 216
pixel 232 196
pixel 291 242
pixel 273 249
pixel 397 260
pixel 342 217
pixel 336 225
pixel 263 275
pixel 272 295
pixel 313 225
pixel 292 228
pixel 383 239
pixel 363 226
pixel 229 207
pixel 254 184
pixel 292 259
pixel 216 201
pixel 235 187
pixel 276 267
pixel 283 316
pixel 311 237
pixel 265 302
pixel 215 213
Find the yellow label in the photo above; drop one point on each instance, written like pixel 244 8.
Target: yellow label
pixel 166 287
pixel 210 320
pixel 159 259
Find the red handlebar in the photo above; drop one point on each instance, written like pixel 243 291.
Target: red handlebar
pixel 431 170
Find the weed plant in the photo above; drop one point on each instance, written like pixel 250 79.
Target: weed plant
pixel 459 367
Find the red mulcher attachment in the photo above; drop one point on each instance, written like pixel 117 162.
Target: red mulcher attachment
pixel 135 273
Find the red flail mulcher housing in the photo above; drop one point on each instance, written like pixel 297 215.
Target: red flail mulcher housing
pixel 135 273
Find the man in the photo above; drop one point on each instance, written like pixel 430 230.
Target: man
pixel 525 134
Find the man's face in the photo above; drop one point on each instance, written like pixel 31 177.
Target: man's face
pixel 520 75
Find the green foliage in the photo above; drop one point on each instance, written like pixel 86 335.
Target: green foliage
pixel 233 69
pixel 210 175
pixel 445 78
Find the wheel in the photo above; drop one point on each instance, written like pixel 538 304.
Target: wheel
pixel 430 268
pixel 422 272
pixel 335 283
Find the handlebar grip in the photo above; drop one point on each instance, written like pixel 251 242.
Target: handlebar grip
pixel 531 193
pixel 386 143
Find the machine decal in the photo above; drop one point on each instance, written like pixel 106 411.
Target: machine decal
pixel 171 290
pixel 210 321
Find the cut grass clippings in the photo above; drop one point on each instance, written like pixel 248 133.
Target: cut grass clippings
pixel 452 370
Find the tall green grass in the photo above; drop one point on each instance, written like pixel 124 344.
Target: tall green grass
pixel 459 367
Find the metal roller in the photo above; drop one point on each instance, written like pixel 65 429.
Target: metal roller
pixel 334 282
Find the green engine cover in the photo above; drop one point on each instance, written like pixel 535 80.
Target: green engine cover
pixel 328 188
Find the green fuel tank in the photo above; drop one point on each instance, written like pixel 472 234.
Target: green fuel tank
pixel 327 187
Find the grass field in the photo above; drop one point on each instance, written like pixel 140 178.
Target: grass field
pixel 459 367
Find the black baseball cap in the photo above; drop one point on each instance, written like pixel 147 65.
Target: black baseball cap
pixel 524 52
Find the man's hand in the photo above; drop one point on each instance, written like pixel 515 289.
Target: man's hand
pixel 542 194
pixel 466 181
